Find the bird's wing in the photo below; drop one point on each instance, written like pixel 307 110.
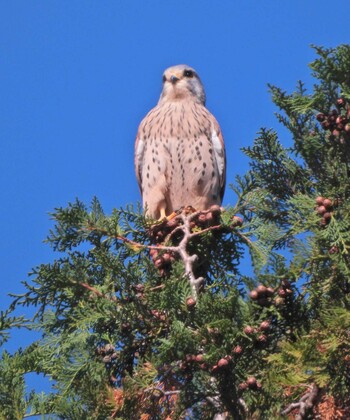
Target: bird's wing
pixel 139 153
pixel 220 154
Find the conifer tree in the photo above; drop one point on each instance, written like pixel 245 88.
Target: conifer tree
pixel 146 320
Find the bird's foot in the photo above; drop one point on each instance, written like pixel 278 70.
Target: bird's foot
pixel 171 216
pixel 189 210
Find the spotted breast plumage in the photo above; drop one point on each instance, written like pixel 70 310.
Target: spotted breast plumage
pixel 179 151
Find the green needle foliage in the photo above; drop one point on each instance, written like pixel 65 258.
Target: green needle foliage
pixel 128 328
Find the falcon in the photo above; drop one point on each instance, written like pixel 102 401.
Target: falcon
pixel 180 155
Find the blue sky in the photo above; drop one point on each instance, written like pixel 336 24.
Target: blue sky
pixel 78 76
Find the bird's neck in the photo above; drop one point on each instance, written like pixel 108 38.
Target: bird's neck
pixel 179 98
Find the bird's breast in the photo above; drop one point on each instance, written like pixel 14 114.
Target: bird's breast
pixel 176 120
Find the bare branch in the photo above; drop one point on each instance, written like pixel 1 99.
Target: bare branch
pixel 185 218
pixel 189 260
pixel 216 402
pixel 306 402
pixel 161 391
pixel 243 404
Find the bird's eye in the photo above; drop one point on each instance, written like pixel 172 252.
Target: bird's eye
pixel 164 78
pixel 188 73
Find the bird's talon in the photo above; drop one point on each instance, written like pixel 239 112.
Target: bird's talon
pixel 171 216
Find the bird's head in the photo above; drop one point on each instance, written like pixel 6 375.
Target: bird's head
pixel 182 82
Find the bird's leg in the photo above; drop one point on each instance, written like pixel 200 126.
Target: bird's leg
pixel 162 214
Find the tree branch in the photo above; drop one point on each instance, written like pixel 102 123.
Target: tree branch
pixel 216 402
pixel 161 391
pixel 306 402
pixel 97 292
pixel 181 249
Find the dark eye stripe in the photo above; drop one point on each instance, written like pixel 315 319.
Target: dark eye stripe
pixel 164 78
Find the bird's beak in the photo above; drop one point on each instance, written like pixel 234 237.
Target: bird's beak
pixel 174 79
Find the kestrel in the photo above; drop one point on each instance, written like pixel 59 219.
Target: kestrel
pixel 179 151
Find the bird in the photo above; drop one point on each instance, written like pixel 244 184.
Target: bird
pixel 180 157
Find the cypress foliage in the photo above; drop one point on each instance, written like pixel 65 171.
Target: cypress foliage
pixel 160 321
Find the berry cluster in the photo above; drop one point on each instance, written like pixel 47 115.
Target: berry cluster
pixel 160 315
pixel 190 302
pixel 139 290
pixel 222 364
pixel 324 207
pixel 259 332
pixel 284 291
pixel 237 221
pixel 250 383
pixel 237 350
pixel 337 121
pixel 162 260
pixel 207 218
pixel 193 359
pixel 108 353
pixel 333 250
pixel 263 295
pixel 199 220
